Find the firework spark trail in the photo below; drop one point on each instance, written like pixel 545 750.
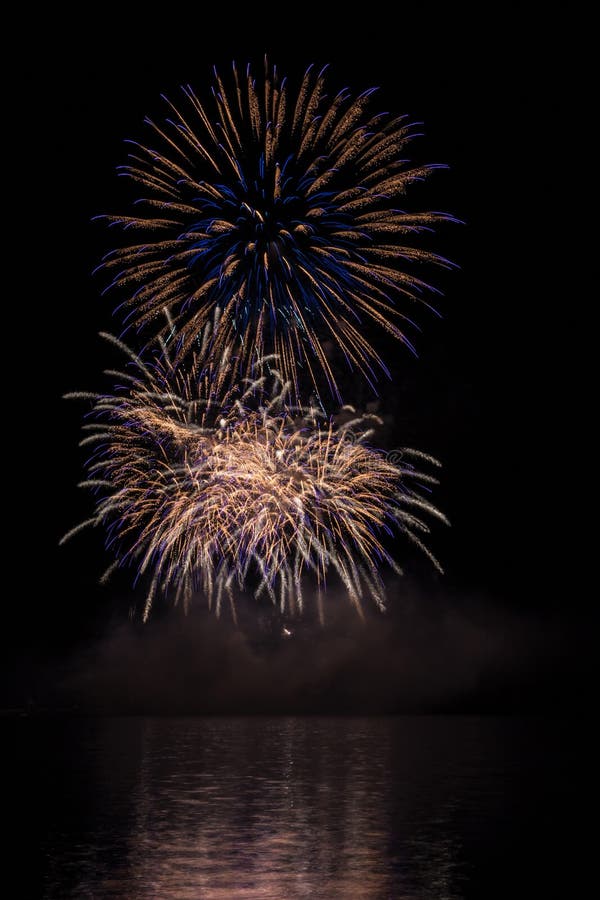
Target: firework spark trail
pixel 281 211
pixel 208 484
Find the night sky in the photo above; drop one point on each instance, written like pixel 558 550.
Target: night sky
pixel 504 629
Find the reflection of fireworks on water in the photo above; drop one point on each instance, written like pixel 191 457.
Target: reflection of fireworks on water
pixel 208 486
pixel 282 211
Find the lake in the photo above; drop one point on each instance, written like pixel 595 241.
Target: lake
pixel 434 808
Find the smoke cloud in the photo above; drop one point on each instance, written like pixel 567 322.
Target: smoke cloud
pixel 429 653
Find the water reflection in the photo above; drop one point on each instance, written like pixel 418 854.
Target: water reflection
pixel 283 809
pixel 272 808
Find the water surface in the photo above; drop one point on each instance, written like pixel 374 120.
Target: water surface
pixel 434 808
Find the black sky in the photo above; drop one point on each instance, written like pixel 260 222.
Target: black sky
pixel 481 396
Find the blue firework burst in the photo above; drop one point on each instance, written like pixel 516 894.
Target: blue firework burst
pixel 281 213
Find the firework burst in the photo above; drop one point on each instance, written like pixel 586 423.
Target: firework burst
pixel 283 211
pixel 208 485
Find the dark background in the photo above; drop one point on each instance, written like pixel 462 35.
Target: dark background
pixel 507 627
